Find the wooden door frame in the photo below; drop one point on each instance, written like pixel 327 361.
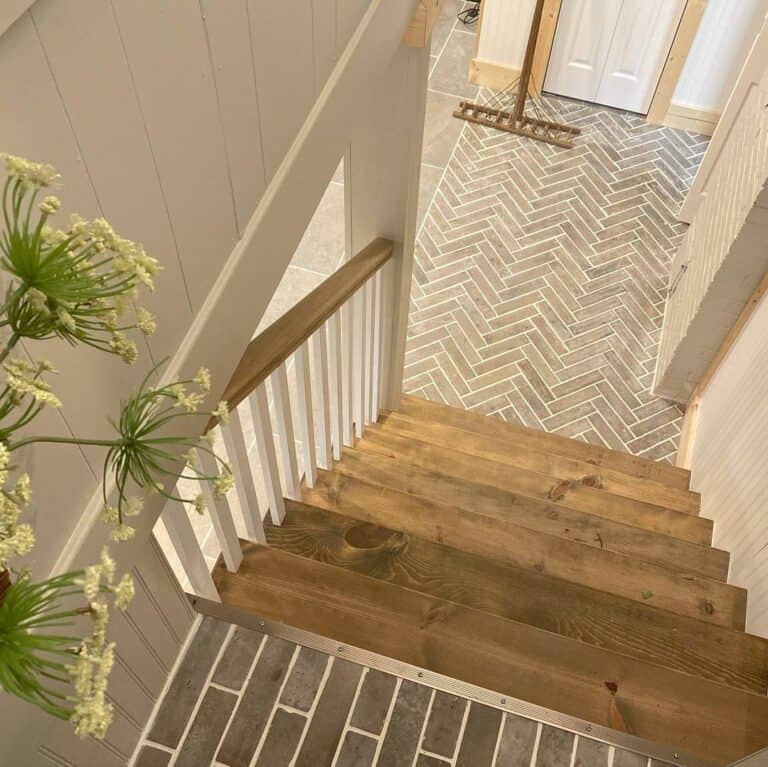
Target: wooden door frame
pixel 660 111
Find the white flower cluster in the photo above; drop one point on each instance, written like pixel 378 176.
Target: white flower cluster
pixel 31 174
pixel 15 539
pixel 23 379
pixel 92 712
pixel 111 515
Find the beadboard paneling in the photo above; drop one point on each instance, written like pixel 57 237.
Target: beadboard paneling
pixel 504 34
pixel 724 38
pixel 728 468
pixel 725 252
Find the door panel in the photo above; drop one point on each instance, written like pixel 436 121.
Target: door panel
pixel 636 57
pixel 582 41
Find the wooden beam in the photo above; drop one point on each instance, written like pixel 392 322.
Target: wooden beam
pixel 678 53
pixel 544 43
pixel 419 31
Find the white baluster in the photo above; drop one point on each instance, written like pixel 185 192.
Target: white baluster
pixel 304 407
pixel 377 332
pixel 221 515
pixel 358 362
pixel 284 426
pixel 335 373
pixel 320 349
pixel 237 451
pixel 265 444
pixel 369 331
pixel 347 345
pixel 184 541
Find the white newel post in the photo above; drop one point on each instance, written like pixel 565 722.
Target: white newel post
pixel 383 192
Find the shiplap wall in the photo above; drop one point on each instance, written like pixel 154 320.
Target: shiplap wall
pixel 725 251
pixel 729 463
pixel 504 33
pixel 169 118
pixel 724 37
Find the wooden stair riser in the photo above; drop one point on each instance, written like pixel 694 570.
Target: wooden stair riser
pixel 560 521
pixel 635 466
pixel 634 579
pixel 702 717
pixel 581 613
pixel 522 456
pixel 588 499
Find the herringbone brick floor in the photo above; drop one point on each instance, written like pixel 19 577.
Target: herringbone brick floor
pixel 540 278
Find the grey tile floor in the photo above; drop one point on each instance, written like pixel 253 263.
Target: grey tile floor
pixel 540 276
pixel 241 698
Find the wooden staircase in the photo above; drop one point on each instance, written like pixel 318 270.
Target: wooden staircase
pixel 560 573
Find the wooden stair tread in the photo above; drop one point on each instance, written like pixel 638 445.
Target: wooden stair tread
pixel 582 613
pixel 534 514
pixel 591 500
pixel 628 577
pixel 635 466
pixel 534 485
pixel 523 456
pixel 703 717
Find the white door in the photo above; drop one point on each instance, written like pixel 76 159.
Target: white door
pixel 612 51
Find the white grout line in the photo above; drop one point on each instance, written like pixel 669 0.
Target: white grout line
pixel 275 705
pixel 573 752
pixel 164 691
pixel 427 714
pixel 387 719
pixel 311 713
pixel 347 726
pixel 497 748
pixel 460 736
pixel 239 694
pixel 199 700
pixel 535 752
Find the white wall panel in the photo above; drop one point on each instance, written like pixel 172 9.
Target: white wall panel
pixel 729 463
pixel 282 41
pixel 229 39
pixel 722 42
pixel 504 34
pixel 167 53
pixel 153 114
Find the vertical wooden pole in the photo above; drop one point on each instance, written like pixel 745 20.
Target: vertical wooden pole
pixel 525 72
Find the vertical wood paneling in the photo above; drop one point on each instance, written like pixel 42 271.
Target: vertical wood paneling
pixel 229 38
pixel 725 252
pixel 282 41
pixel 74 36
pixel 727 28
pixel 729 463
pixel 167 52
pixel 504 33
pixel 325 41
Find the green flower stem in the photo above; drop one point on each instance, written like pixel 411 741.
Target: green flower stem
pixel 12 341
pixel 64 441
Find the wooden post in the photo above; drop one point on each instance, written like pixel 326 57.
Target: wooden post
pixel 530 52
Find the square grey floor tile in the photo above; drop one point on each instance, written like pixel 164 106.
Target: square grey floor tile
pixel 452 70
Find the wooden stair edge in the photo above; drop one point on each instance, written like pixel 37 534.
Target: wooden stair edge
pixel 677 554
pixel 657 635
pixel 675 476
pixel 630 577
pixel 701 716
pixel 535 485
pixel 535 459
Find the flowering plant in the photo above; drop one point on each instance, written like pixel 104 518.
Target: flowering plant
pixel 80 285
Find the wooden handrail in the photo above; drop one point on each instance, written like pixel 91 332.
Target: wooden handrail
pixel 265 353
